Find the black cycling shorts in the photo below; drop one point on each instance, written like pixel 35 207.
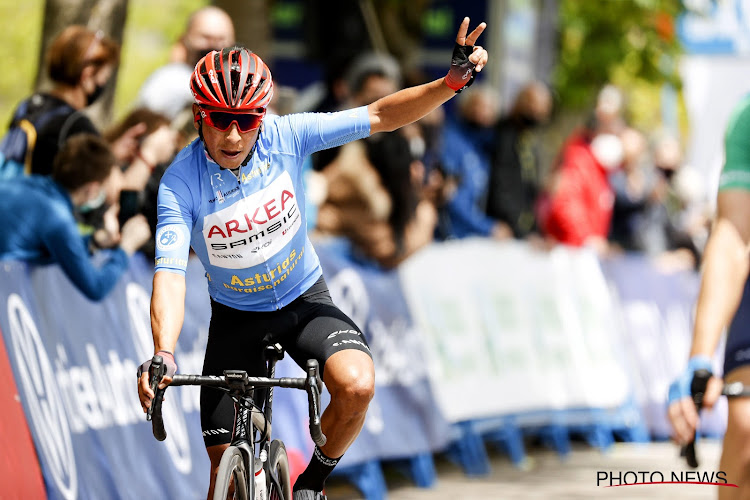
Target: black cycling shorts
pixel 311 327
pixel 737 350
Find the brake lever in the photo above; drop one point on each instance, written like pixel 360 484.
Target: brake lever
pixel 157 370
pixel 697 391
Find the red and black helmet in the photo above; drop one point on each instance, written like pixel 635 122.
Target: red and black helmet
pixel 233 78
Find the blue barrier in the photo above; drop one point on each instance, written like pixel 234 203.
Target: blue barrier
pixel 419 468
pixel 367 477
pixel 56 336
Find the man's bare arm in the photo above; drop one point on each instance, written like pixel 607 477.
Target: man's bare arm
pixel 409 105
pixel 725 271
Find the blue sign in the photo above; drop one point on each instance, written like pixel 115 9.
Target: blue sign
pixel 721 28
pixel 75 364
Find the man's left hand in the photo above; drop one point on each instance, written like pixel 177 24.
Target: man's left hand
pixel 467 57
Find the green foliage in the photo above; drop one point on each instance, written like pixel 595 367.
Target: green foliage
pixel 628 42
pixel 20 40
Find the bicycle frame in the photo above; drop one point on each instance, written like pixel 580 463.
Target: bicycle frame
pixel 244 427
pixel 239 385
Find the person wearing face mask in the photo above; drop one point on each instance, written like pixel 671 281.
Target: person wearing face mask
pixel 576 208
pixel 80 63
pixel 514 176
pixel 39 224
pixel 166 90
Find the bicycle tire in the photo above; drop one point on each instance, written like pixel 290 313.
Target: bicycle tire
pixel 278 467
pixel 231 467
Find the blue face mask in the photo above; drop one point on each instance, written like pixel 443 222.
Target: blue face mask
pixel 93 204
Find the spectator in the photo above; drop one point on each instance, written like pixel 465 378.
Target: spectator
pixel 167 90
pixel 515 170
pixel 370 77
pixel 39 225
pixel 608 113
pixel 437 186
pixel 467 143
pixel 156 146
pixel 577 207
pixel 660 232
pixel 155 150
pixel 80 63
pixel 374 199
pixel 632 185
pixel 332 94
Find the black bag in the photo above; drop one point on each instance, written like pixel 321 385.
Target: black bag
pixel 17 146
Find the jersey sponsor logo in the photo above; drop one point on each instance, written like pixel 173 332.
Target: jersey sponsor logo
pixel 170 237
pixel 253 229
pixel 221 196
pixel 247 177
pixel 268 280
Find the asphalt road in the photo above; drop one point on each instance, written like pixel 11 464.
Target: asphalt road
pixel 546 476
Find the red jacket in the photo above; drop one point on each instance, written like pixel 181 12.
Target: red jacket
pixel 579 204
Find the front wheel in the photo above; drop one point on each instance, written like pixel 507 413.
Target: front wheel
pixel 279 479
pixel 231 480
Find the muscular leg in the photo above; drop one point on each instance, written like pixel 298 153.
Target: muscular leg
pixel 214 455
pixel 735 456
pixel 332 338
pixel 350 378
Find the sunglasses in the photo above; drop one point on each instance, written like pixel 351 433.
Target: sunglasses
pixel 222 120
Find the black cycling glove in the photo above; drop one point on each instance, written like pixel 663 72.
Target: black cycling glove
pixel 168 358
pixel 462 72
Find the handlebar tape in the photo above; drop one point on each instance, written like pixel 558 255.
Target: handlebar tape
pixel 697 391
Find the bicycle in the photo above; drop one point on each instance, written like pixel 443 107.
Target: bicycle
pixel 239 462
pixel 697 391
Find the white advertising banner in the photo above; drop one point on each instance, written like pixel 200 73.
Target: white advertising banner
pixel 508 329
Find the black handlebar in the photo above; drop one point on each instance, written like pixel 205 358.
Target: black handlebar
pixel 697 391
pixel 312 384
pixel 157 370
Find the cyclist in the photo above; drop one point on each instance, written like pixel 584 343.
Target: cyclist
pixel 235 195
pixel 720 304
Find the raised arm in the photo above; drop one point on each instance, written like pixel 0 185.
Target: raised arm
pixel 409 105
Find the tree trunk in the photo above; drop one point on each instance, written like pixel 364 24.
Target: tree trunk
pixel 106 15
pixel 252 24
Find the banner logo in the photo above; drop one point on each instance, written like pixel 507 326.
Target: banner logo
pixel 45 409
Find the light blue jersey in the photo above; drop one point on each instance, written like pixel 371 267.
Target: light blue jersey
pixel 250 232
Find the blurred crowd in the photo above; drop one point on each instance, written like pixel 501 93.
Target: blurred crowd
pixel 480 172
pixel 476 172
